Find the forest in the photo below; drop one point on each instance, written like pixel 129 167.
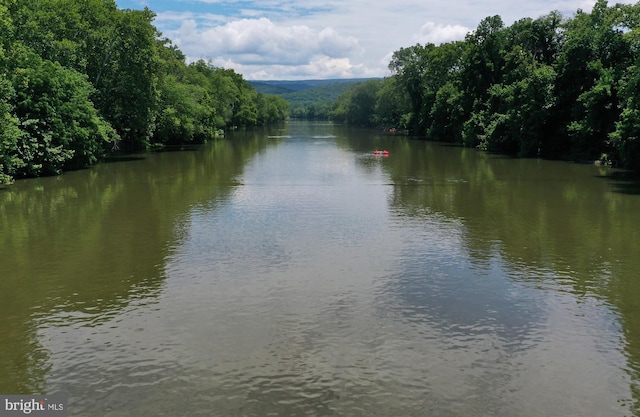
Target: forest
pixel 309 99
pixel 554 87
pixel 80 80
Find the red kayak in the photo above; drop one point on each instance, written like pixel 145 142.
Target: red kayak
pixel 381 152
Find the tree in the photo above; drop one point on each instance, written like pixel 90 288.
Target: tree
pixel 392 107
pixel 484 57
pixel 127 82
pixel 356 106
pixel 482 67
pixel 517 111
pixel 625 138
pixel 77 76
pixel 408 66
pixel 271 109
pixel 59 126
pixel 115 48
pixel 10 135
pixel 448 113
pixel 591 61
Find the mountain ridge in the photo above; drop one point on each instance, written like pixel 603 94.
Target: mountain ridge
pixel 281 87
pixel 312 99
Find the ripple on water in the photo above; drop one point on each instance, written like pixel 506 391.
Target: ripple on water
pixel 317 290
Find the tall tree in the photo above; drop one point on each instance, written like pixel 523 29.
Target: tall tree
pixel 590 62
pixel 625 139
pixel 356 105
pixel 127 79
pixel 392 105
pixel 483 63
pixel 60 127
pixel 408 66
pixel 517 111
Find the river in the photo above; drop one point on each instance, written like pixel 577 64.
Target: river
pixel 290 272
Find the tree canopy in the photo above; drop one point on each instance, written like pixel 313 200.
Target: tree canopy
pixel 555 87
pixel 80 79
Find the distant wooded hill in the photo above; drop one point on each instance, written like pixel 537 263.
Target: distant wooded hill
pixel 307 91
pixel 308 98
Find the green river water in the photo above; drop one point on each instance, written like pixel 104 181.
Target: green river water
pixel 290 272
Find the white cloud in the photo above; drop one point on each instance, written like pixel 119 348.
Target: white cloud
pixel 317 68
pixel 435 33
pixel 262 42
pixel 327 38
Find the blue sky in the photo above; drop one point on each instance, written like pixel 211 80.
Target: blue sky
pixel 320 39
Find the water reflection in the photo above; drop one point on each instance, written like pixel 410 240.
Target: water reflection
pixel 78 249
pixel 551 226
pixel 291 272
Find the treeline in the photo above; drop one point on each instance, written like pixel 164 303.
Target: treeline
pixel 552 87
pixel 317 110
pixel 81 78
pixel 308 99
pixel 315 103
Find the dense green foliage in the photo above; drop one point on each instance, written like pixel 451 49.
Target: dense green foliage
pixel 357 105
pixel 317 102
pixel 551 87
pixel 79 79
pixel 309 99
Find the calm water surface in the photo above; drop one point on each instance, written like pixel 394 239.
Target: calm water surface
pixel 289 272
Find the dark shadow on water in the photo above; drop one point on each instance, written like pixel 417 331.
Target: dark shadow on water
pixel 122 158
pixel 448 144
pixel 178 148
pixel 624 182
pixel 130 157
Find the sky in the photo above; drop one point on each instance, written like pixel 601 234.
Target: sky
pixel 325 39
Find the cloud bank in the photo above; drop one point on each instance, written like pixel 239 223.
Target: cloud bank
pixel 297 39
pixel 437 34
pixel 261 49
